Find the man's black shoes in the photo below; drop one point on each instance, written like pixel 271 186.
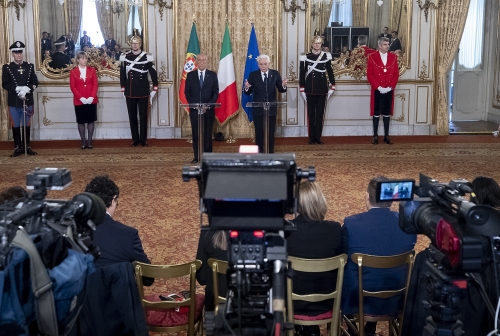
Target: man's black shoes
pixel 30 152
pixel 194 161
pixel 144 144
pixel 375 140
pixel 387 140
pixel 18 151
pixel 135 143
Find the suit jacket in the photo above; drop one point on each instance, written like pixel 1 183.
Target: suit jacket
pixel 395 45
pixel 12 77
pixel 46 45
pixel 263 94
pixel 83 88
pixel 374 232
pixel 208 93
pixel 118 242
pixel 110 44
pixel 378 77
pixel 60 60
pixel 83 43
pixel 70 47
pixel 314 240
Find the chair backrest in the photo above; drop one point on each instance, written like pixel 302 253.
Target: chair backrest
pixel 366 260
pixel 318 266
pixel 169 272
pixel 218 267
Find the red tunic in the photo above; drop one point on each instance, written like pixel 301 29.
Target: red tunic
pixel 81 88
pixel 378 77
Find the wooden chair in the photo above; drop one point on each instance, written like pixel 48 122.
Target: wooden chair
pixel 164 310
pixel 318 265
pixel 218 267
pixel 365 260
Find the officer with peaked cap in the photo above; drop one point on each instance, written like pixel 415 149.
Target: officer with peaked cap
pixel 19 79
pixel 59 59
pixel 314 87
pixel 134 68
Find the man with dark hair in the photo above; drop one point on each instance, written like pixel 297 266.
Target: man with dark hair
pixel 19 80
pixel 358 235
pixel 383 73
pixel 70 45
pixel 116 241
pixel 395 46
pixel 46 44
pixel 385 33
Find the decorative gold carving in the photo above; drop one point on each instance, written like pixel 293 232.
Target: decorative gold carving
pixel 103 64
pixel 355 64
pixel 293 7
pixel 18 5
pixel 162 76
pixel 402 96
pixel 423 71
pixel 291 75
pixel 46 121
pixel 162 4
pixel 426 6
pixel 118 8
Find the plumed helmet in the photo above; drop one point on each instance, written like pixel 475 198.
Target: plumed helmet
pixel 317 39
pixel 135 39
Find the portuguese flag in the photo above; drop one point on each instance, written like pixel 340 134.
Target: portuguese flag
pixel 192 52
pixel 228 96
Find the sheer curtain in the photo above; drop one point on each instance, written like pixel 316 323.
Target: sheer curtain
pixel 471 45
pixel 90 23
pixel 341 12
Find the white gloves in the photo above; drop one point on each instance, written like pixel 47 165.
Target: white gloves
pixel 330 92
pixel 384 90
pixel 22 91
pixel 151 96
pixel 87 100
pixel 303 94
pixel 83 100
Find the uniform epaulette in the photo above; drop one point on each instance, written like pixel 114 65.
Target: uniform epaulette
pixel 150 57
pixel 122 57
pixel 328 56
pixel 302 57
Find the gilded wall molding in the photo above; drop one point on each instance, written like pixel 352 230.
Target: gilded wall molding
pixel 291 75
pixel 18 5
pixel 292 7
pixel 423 71
pixel 162 4
pixel 46 121
pixel 428 4
pixel 162 74
pixel 401 96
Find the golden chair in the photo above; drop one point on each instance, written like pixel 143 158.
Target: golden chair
pixel 195 304
pixel 318 265
pixel 218 267
pixel 365 260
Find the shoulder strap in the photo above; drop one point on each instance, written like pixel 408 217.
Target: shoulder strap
pixel 41 285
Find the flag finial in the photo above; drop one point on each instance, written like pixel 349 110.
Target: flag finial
pixel 227 20
pixel 194 18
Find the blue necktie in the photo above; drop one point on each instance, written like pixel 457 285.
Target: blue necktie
pixel 201 79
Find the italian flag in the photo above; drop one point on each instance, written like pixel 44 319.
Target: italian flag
pixel 228 96
pixel 193 49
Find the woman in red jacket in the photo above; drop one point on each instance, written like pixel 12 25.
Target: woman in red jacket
pixel 83 84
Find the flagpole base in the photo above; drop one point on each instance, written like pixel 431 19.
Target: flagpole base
pixel 230 139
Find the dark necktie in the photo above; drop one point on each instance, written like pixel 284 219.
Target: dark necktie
pixel 201 79
pixel 265 78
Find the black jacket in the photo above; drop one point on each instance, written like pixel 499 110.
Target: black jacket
pixel 314 240
pixel 46 45
pixel 316 82
pixel 14 75
pixel 395 45
pixel 208 93
pixel 110 44
pixel 60 60
pixel 261 93
pixel 134 77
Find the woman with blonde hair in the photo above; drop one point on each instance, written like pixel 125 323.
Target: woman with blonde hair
pixel 315 238
pixel 83 84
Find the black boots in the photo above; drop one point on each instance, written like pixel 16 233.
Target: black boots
pixel 18 144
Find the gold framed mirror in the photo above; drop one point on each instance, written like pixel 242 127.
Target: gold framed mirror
pixel 110 23
pixel 363 17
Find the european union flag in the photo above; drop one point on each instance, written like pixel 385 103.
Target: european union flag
pixel 250 65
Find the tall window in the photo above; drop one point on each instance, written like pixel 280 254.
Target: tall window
pixel 91 24
pixel 471 45
pixel 134 21
pixel 341 12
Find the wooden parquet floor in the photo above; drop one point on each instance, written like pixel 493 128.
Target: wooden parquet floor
pixel 155 200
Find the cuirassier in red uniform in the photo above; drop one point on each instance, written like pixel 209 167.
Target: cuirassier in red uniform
pixel 383 73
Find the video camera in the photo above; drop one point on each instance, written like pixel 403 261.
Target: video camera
pixel 464 240
pixel 46 237
pixel 249 195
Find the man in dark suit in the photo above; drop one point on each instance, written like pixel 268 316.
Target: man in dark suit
pixel 110 42
pixel 46 44
pixel 202 86
pixel 262 84
pixel 70 45
pixel 358 235
pixel 117 242
pixel 385 33
pixel 84 40
pixel 395 46
pixel 59 59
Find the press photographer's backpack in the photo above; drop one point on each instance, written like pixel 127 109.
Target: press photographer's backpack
pixel 42 286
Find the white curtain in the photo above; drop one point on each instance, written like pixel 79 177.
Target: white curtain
pixel 471 45
pixel 341 12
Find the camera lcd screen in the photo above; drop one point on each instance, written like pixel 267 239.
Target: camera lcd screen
pixel 395 190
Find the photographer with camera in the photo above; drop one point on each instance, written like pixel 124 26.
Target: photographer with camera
pixel 212 244
pixel 315 238
pixel 374 232
pixel 487 192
